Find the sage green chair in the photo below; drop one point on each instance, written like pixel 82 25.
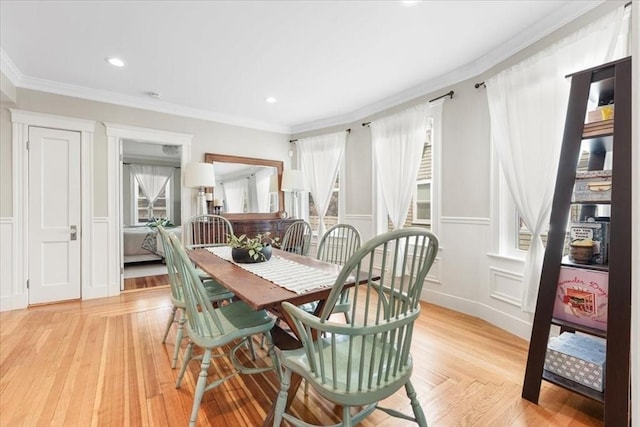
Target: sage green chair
pixel 215 293
pixel 224 329
pixel 297 238
pixel 336 246
pixel 203 231
pixel 357 365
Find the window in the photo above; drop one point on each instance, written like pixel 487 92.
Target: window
pixel 161 207
pixel 421 206
pixel 422 203
pixel 424 209
pixel 419 214
pixel 523 239
pixel 332 216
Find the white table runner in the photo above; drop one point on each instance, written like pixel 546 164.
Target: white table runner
pixel 291 275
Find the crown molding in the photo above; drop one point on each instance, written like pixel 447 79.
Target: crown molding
pixel 9 69
pixel 559 18
pixel 553 22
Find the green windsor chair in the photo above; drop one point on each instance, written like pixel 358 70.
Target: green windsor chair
pixel 297 238
pixel 336 246
pixel 225 328
pixel 215 292
pixel 363 362
pixel 205 231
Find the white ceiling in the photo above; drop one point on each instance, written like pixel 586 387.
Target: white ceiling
pixel 327 62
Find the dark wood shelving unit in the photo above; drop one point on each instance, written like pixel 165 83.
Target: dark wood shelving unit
pixel 612 136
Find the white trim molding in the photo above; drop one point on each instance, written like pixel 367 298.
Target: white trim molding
pixel 116 133
pixel 21 121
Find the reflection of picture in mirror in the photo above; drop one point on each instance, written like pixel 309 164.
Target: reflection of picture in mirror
pixel 246 188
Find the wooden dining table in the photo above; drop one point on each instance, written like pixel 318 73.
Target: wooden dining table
pixel 260 293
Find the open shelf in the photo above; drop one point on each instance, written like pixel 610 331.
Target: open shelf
pixel 598 140
pixel 598 267
pixel 575 327
pixel 573 386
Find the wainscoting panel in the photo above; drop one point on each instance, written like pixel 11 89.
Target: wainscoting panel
pixel 101 254
pixel 505 286
pixel 12 292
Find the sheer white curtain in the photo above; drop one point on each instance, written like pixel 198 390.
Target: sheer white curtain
pixel 527 106
pixel 234 194
pixel 320 162
pixel 152 180
pixel 398 141
pixel 263 182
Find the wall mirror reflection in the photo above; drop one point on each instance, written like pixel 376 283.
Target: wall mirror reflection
pixel 246 185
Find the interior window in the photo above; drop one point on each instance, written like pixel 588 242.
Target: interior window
pixel 161 207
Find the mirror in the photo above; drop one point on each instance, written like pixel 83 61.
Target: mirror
pixel 247 186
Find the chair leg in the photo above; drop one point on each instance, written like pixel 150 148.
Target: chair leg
pixel 200 386
pixel 179 336
pixel 185 361
pixel 415 404
pixel 281 403
pixel 172 318
pixel 346 417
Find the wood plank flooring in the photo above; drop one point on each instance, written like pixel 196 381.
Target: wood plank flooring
pixel 100 362
pixel 137 283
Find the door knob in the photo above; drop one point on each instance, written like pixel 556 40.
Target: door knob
pixel 73 232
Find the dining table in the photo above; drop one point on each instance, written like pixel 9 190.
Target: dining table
pixel 294 277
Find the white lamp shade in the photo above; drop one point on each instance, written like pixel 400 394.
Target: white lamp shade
pixel 293 180
pixel 199 175
pixel 273 183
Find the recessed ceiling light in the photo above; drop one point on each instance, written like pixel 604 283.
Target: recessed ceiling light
pixel 271 100
pixel 116 62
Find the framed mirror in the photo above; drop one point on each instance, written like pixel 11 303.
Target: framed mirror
pixel 247 187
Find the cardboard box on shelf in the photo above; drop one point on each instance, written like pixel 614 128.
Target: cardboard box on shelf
pixel 592 186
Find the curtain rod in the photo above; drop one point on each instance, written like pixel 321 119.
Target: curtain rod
pixel 295 140
pixel 477 85
pixel 450 93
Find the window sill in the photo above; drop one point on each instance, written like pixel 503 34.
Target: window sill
pixel 506 257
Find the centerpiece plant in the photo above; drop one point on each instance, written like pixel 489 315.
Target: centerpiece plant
pixel 248 250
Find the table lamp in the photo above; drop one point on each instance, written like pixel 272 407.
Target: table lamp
pixel 200 175
pixel 293 181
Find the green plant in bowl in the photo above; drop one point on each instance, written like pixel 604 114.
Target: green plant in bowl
pixel 247 250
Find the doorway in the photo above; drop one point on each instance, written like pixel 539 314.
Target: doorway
pixel 154 140
pixel 150 191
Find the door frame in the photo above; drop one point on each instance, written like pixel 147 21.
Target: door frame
pixel 116 133
pixel 21 121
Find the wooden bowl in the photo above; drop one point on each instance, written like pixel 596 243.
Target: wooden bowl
pixel 581 254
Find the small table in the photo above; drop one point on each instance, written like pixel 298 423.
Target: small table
pixel 260 293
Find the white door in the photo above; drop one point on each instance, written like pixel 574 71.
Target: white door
pixel 54 215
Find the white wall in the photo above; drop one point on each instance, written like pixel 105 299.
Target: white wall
pixel 467 276
pixel 207 137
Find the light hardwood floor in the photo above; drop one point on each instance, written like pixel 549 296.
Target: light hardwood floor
pixel 101 362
